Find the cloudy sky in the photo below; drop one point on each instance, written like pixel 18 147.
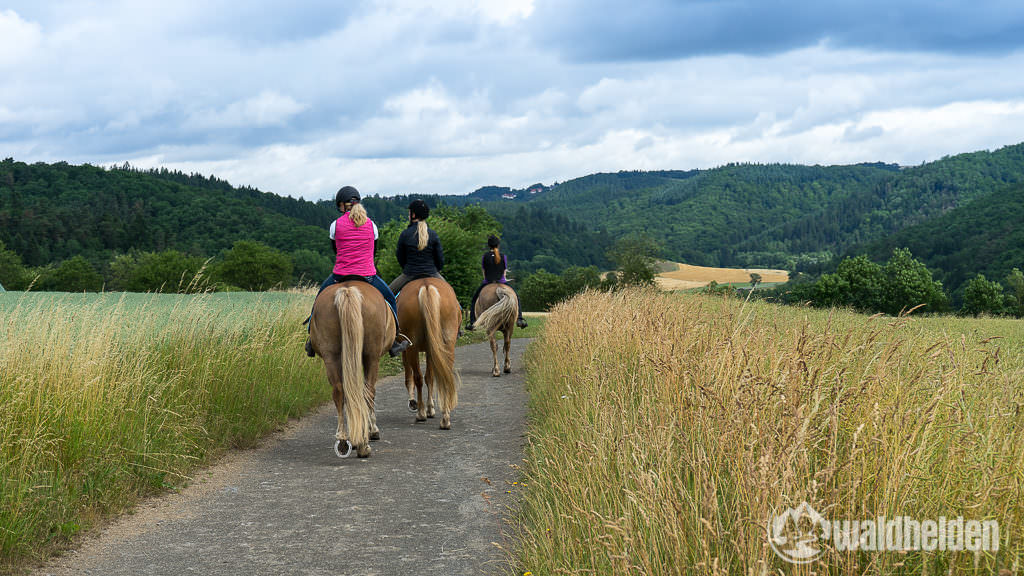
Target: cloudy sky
pixel 403 96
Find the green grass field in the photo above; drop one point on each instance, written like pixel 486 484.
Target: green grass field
pixel 667 430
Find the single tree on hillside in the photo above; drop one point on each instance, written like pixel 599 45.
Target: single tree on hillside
pixel 634 260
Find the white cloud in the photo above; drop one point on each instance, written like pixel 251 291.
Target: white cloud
pixel 268 108
pixel 399 96
pixel 18 39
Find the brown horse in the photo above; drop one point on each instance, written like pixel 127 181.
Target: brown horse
pixel 352 326
pixel 430 315
pixel 497 309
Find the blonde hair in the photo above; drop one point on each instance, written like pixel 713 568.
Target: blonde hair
pixel 358 215
pixel 421 235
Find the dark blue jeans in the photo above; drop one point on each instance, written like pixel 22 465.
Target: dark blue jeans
pixel 378 283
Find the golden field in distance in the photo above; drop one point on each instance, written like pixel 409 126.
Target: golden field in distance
pixel 675 276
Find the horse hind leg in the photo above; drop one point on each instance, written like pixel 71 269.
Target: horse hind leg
pixel 417 375
pixel 342 447
pixel 508 347
pixel 494 353
pixel 370 377
pixel 431 391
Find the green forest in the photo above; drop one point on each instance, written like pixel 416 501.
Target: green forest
pixel 132 229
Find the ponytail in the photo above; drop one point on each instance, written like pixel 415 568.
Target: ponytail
pixel 421 235
pixel 358 215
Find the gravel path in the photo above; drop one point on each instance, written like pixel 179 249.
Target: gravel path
pixel 427 501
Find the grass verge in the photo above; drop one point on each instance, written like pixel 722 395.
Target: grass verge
pixel 666 431
pixel 105 399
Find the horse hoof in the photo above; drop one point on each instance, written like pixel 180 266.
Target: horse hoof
pixel 508 370
pixel 374 435
pixel 495 374
pixel 338 445
pixel 413 406
pixel 363 451
pixel 446 424
pixel 421 418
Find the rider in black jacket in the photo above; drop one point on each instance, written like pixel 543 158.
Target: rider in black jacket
pixel 419 249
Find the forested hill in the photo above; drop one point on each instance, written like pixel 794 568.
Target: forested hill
pixel 51 212
pixel 778 215
pixel 985 236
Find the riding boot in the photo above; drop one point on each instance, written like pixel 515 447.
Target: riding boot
pixel 521 322
pixel 401 343
pixel 309 349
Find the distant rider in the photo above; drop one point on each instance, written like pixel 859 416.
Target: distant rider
pixel 353 238
pixel 494 265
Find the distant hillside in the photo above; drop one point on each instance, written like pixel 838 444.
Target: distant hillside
pixel 740 215
pixel 985 236
pixel 49 213
pixel 778 215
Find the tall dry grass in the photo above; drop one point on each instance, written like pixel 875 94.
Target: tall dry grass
pixel 105 398
pixel 667 430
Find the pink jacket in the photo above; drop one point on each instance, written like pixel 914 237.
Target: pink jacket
pixel 354 247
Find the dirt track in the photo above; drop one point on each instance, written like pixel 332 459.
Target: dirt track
pixel 427 501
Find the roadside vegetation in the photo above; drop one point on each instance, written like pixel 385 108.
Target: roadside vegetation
pixel 107 398
pixel 667 430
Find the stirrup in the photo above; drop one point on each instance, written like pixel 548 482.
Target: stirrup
pixel 402 342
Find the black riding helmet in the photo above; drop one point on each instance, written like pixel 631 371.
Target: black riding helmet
pixel 345 195
pixel 493 242
pixel 419 209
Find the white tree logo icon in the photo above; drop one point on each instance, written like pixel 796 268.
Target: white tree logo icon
pixel 796 533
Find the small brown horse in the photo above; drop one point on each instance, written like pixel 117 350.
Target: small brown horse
pixel 497 309
pixel 352 326
pixel 430 315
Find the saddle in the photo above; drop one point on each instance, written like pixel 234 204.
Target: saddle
pixel 352 278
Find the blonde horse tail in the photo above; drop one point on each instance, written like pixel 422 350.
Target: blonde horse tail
pixel 349 302
pixel 502 314
pixel 441 351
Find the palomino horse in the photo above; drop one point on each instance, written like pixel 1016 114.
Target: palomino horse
pixel 352 326
pixel 497 309
pixel 430 315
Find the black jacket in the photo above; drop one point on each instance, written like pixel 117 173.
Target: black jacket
pixel 416 263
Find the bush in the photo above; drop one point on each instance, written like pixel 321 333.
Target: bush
pixel 542 289
pixel 254 266
pixel 634 260
pixel 13 275
pixel 169 271
pixel 72 275
pixel 310 266
pixel 983 296
pixel 909 284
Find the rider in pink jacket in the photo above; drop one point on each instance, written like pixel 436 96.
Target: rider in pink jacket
pixel 353 240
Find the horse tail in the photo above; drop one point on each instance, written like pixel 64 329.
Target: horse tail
pixel 349 302
pixel 440 349
pixel 502 314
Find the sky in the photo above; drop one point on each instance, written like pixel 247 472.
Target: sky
pixel 443 97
